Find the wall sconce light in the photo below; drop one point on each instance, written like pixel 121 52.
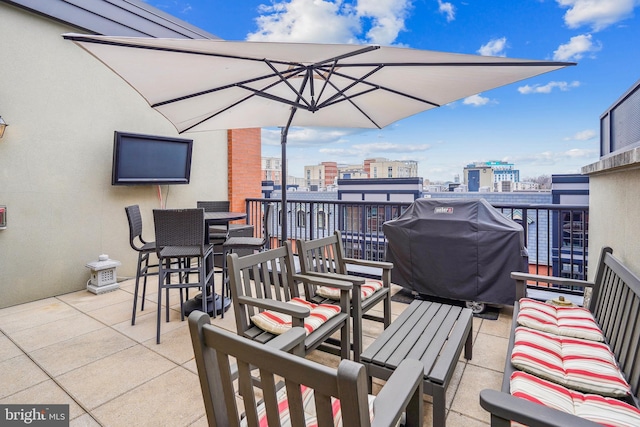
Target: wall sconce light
pixel 3 126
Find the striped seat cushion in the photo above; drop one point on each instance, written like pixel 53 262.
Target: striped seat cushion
pixel 309 407
pixel 578 364
pixel 574 322
pixel 278 323
pixel 602 410
pixel 369 288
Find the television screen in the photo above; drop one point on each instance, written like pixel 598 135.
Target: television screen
pixel 147 159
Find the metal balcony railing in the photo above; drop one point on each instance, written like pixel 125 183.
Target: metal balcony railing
pixel 557 236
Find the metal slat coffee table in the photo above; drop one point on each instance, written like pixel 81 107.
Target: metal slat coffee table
pixel 431 332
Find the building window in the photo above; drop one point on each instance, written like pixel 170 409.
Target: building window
pixel 301 218
pixel 322 220
pixel 390 172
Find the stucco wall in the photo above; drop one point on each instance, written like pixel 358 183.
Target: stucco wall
pixel 62 107
pixel 614 203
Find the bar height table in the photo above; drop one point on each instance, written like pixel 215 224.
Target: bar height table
pixel 214 304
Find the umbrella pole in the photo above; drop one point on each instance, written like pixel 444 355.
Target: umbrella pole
pixel 284 132
pixel 283 179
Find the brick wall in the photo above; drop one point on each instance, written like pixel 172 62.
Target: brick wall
pixel 244 154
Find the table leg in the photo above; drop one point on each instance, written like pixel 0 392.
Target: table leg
pixel 468 346
pixel 439 406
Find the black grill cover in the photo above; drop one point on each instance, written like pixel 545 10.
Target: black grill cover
pixel 462 249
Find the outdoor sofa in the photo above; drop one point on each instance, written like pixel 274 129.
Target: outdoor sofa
pixel 564 377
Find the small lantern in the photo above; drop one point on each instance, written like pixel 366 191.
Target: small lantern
pixel 103 275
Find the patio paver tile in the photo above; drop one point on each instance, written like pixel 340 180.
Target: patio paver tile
pixel 98 382
pixel 85 420
pixel 174 397
pixel 145 327
pixel 65 356
pixel 46 392
pixel 47 311
pixel 8 349
pixel 87 301
pixel 455 419
pixel 474 379
pixel 176 345
pixel 489 351
pixel 19 373
pixel 500 327
pixel 54 332
pixel 120 312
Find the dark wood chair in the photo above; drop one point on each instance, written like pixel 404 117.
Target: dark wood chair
pixel 264 286
pixel 325 258
pixel 291 385
pixel 180 237
pixel 145 249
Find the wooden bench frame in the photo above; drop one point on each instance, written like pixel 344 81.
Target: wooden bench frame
pixel 615 304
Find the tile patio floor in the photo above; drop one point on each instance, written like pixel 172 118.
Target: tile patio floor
pixel 80 349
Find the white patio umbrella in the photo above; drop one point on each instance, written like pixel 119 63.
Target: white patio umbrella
pixel 202 85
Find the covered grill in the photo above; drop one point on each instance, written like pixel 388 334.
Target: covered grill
pixel 462 249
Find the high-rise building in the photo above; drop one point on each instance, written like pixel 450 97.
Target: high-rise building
pixel 321 176
pixel 491 176
pixel 272 169
pixel 385 168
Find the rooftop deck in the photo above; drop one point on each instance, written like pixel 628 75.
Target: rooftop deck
pixel 81 349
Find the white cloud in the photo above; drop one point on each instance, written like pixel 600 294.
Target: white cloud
pixel 494 47
pixel 389 147
pixel 476 100
pixel 307 135
pixel 576 48
pixel 554 158
pixel 584 135
pixel 326 21
pixel 385 17
pixel 563 86
pixel 447 9
pixel 598 14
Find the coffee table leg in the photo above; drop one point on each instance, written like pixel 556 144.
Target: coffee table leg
pixel 468 346
pixel 439 406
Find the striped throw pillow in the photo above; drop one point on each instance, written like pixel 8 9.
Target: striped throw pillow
pixel 369 288
pixel 309 407
pixel 278 323
pixel 577 322
pixel 578 364
pixel 602 410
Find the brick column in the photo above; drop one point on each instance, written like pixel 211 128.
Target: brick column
pixel 244 167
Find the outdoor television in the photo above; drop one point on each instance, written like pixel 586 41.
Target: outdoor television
pixel 147 159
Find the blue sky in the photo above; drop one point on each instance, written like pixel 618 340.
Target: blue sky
pixel 544 125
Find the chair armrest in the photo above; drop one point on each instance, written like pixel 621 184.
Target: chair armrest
pixel 402 389
pixel 288 340
pixel 507 407
pixel 279 306
pixel 550 279
pixel 325 279
pixel 376 264
pixel 355 280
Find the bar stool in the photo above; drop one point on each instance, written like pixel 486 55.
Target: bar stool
pixel 253 243
pixel 144 249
